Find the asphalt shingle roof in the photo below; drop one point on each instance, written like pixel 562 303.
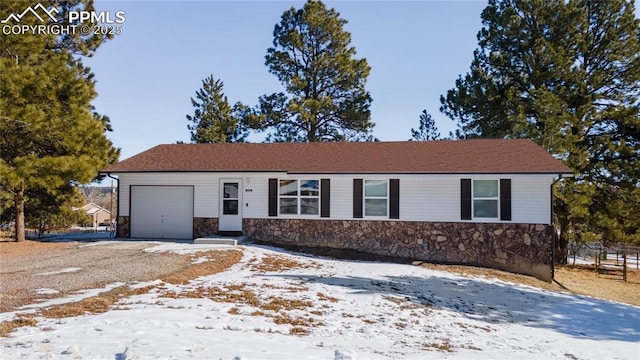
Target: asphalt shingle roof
pixel 444 156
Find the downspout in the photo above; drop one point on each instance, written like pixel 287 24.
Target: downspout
pixel 117 202
pixel 553 241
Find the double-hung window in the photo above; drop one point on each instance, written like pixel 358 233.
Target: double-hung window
pixel 376 198
pixel 299 197
pixel 485 198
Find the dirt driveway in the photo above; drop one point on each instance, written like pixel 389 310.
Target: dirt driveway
pixel 31 270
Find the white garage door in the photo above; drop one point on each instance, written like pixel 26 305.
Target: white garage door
pixel 162 212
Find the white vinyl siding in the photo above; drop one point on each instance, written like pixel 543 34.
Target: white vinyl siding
pixel 531 200
pixel 433 198
pixel 341 197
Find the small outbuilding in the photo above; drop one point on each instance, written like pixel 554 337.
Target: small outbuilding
pixel 479 202
pixel 96 214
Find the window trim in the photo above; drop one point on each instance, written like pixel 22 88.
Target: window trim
pixel 492 198
pixel 299 198
pixel 365 198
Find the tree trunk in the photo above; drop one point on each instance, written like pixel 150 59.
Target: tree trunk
pixel 562 251
pixel 19 203
pixel 562 247
pixel 311 135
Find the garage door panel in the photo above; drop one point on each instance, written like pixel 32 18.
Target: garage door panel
pixel 162 212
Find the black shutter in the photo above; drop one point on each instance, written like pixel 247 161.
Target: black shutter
pixel 325 198
pixel 394 199
pixel 465 199
pixel 357 198
pixel 273 197
pixel 505 199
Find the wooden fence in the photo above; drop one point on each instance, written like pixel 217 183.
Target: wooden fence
pixel 603 265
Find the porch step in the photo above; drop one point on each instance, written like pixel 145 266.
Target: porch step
pixel 221 240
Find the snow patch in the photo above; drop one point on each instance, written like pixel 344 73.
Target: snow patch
pixel 125 355
pixel 72 350
pixel 99 243
pixel 45 291
pixel 67 270
pixel 344 355
pixel 185 249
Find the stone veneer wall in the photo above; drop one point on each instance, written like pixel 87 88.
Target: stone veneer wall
pixel 520 248
pixel 122 227
pixel 203 227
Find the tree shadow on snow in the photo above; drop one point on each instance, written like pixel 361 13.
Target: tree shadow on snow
pixel 498 302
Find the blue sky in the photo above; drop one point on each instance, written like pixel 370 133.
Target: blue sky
pixel 147 75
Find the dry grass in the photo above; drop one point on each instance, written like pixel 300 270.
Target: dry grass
pixel 395 300
pixel 567 279
pixel 280 263
pixel 273 307
pixel 472 347
pixel 298 331
pixel 289 289
pixel 278 304
pixel 16 249
pixel 7 327
pixel 407 304
pixel 467 326
pixel 323 297
pixel 5 236
pixel 295 321
pixel 584 282
pixel 400 325
pixel 234 311
pixel 98 304
pixel 218 261
pixel 242 294
pixel 444 346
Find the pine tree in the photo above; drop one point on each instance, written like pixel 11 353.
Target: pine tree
pixel 214 120
pixel 45 210
pixel 427 129
pixel 564 73
pixel 50 136
pixel 325 97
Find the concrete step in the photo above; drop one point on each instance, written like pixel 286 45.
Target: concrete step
pixel 221 240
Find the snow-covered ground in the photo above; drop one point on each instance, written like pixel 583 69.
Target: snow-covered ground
pixel 348 310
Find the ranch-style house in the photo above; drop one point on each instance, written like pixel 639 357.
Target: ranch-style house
pixel 480 202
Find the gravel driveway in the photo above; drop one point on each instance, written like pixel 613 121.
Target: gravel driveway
pixel 30 271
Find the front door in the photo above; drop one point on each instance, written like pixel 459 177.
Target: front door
pixel 230 218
